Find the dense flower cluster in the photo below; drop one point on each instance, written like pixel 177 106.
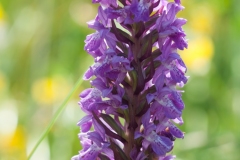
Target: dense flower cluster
pixel 134 104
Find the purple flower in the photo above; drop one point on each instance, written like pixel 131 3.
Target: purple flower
pixel 172 71
pixel 122 15
pixel 93 146
pixel 170 26
pixel 140 10
pixel 134 105
pixel 137 155
pixel 85 123
pixel 159 144
pixel 95 40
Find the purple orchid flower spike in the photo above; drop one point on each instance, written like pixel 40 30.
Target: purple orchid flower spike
pixel 134 105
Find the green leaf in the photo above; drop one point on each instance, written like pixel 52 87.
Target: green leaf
pixel 133 79
pixel 123 48
pixel 149 71
pixel 110 121
pixel 121 35
pixel 118 152
pixel 107 130
pixel 146 45
pixel 151 22
pixel 139 29
pixel 103 157
pixel 142 107
pixel 153 56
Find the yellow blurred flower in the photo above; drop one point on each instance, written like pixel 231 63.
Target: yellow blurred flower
pixel 1 12
pixel 202 19
pixel 3 28
pixel 197 57
pixel 200 47
pixel 48 91
pixel 14 146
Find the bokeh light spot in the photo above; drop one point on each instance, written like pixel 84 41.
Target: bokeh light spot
pixel 202 18
pixel 194 140
pixel 199 54
pixel 77 8
pixel 8 118
pixel 48 91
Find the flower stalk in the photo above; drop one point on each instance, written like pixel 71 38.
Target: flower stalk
pixel 134 105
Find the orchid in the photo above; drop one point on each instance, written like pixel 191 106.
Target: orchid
pixel 135 102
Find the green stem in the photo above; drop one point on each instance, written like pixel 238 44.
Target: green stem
pixel 56 115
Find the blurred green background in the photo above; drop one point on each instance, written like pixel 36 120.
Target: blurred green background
pixel 42 56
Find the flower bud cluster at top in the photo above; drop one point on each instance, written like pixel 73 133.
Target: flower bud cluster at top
pixel 133 105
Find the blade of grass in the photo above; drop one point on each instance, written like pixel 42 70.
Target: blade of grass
pixel 55 117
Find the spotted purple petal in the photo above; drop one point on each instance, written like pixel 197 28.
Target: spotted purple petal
pixel 140 10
